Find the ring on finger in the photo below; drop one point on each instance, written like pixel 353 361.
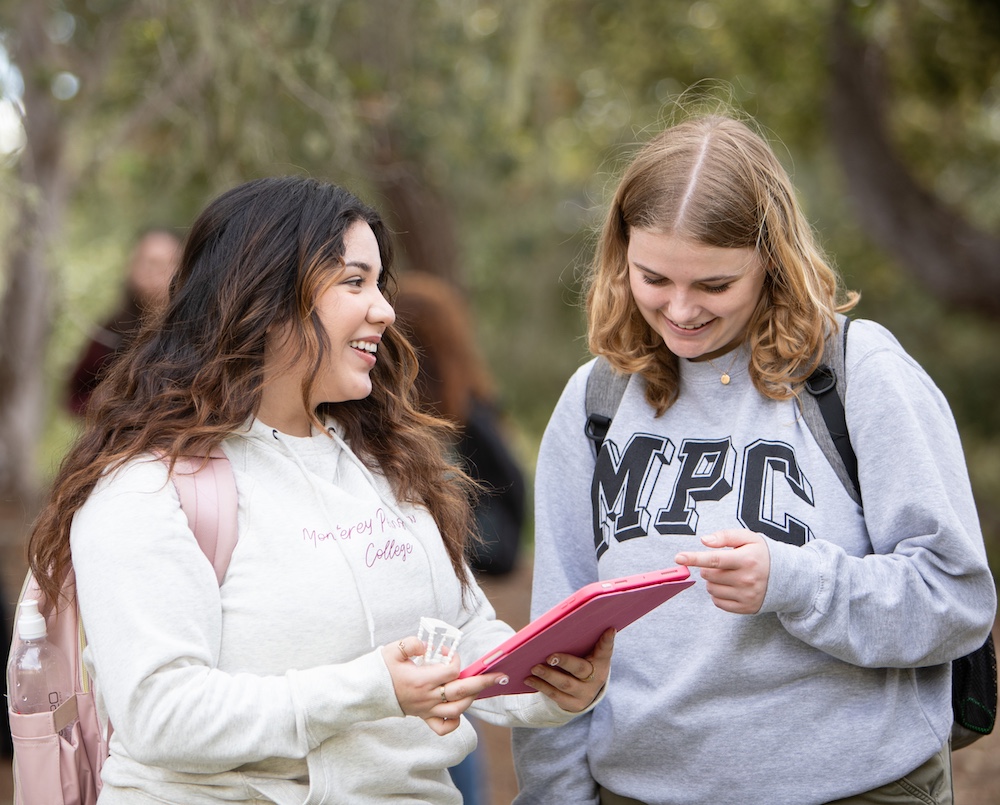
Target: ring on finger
pixel 403 650
pixel 444 695
pixel 593 671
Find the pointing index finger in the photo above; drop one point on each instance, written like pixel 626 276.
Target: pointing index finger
pixel 712 559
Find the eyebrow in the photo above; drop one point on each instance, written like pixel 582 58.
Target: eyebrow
pixel 366 267
pixel 720 278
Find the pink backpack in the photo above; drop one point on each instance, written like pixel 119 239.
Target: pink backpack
pixel 48 768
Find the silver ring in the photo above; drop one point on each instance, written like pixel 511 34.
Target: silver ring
pixel 444 697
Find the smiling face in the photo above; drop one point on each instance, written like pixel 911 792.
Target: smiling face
pixel 698 298
pixel 354 314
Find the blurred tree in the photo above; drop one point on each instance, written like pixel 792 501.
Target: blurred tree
pixel 63 61
pixel 952 257
pixel 40 202
pixel 490 134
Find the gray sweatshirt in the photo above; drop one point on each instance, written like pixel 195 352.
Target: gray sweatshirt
pixel 841 682
pixel 272 687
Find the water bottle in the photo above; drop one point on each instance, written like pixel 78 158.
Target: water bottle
pixel 39 677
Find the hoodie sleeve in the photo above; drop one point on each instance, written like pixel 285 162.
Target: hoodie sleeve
pixel 151 607
pixel 925 595
pixel 552 763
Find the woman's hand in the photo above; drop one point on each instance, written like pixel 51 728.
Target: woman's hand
pixel 433 691
pixel 574 682
pixel 736 579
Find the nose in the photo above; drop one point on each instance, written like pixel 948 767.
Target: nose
pixel 681 305
pixel 380 311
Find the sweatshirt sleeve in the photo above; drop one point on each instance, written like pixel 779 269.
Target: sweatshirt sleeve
pixel 925 595
pixel 551 764
pixel 151 607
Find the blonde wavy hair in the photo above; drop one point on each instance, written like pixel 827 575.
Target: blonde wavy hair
pixel 714 180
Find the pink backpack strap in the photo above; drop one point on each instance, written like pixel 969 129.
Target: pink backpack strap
pixel 207 490
pixel 46 767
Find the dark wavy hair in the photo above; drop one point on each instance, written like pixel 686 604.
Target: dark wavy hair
pixel 255 259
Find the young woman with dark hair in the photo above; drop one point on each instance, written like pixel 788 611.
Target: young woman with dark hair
pixel 290 681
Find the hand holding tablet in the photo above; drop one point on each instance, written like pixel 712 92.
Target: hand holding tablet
pixel 576 624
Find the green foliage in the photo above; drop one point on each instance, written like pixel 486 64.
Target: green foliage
pixel 943 62
pixel 520 115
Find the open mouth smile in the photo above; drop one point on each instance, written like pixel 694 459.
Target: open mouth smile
pixel 689 328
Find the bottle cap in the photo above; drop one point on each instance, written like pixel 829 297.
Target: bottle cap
pixel 30 623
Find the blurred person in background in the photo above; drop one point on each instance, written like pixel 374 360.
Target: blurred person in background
pixel 455 383
pixel 151 266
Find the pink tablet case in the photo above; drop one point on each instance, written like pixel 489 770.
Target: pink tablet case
pixel 576 624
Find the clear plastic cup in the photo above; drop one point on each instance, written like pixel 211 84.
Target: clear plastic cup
pixel 440 639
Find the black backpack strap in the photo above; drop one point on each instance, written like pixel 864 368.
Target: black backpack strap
pixel 974 676
pixel 605 388
pixel 823 411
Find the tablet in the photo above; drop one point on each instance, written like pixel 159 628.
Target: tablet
pixel 576 624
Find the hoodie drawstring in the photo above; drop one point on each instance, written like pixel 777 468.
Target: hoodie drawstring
pixel 389 504
pixel 369 618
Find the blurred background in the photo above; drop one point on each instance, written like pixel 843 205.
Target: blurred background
pixel 490 134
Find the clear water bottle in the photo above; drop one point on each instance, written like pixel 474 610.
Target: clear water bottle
pixel 39 677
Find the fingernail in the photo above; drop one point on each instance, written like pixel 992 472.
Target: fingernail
pixel 553 660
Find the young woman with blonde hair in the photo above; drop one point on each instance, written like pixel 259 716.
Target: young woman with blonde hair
pixel 811 663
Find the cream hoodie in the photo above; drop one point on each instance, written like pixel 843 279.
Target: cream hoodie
pixel 272 687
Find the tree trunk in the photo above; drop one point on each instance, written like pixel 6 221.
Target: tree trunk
pixel 955 261
pixel 423 223
pixel 26 317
